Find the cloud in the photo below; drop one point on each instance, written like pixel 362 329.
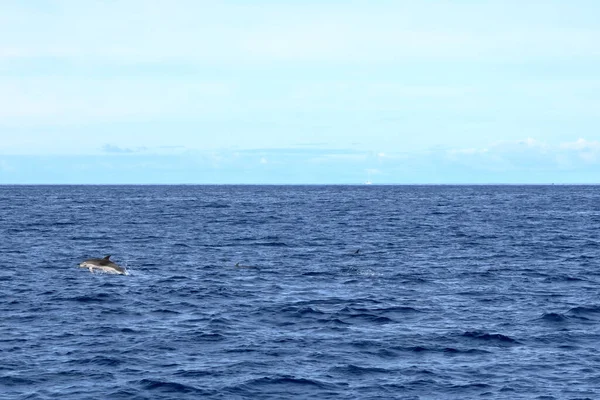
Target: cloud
pixel 517 161
pixel 528 154
pixel 587 151
pixel 109 148
pixel 149 150
pixel 581 144
pixel 530 142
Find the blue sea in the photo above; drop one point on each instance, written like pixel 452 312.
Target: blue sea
pixel 341 292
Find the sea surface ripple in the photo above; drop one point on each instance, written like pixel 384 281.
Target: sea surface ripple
pixel 349 292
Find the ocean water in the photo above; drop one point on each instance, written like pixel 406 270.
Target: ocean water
pixel 456 292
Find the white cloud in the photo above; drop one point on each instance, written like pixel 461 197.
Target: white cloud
pixel 528 154
pixel 586 150
pixel 530 142
pixel 263 160
pixel 581 144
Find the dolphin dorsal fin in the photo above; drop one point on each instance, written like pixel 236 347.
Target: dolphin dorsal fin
pixel 107 258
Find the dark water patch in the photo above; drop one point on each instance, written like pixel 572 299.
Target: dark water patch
pixel 358 318
pixel 318 273
pixel 165 311
pixel 351 369
pixel 93 298
pixel 336 322
pixel 554 317
pixel 88 238
pixel 193 373
pixel 172 388
pixel 586 311
pixel 270 244
pixel 490 337
pixel 452 350
pixel 13 251
pixel 286 383
pixel 304 311
pixel 477 385
pixel 565 278
pixel 365 344
pixel 11 381
pixel 354 315
pixel 105 361
pixel 425 349
pixel 129 394
pixel 410 279
pixel 390 311
pixel 215 205
pixel 64 223
pixel 174 278
pixel 207 336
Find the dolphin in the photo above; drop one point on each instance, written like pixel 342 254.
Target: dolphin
pixel 103 264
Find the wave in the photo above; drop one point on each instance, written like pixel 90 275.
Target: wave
pixel 169 387
pixel 554 317
pixel 590 313
pixel 105 361
pixel 490 337
pixel 352 369
pixel 193 373
pixel 92 298
pixel 17 381
pixel 582 310
pixel 287 383
pixel 365 317
pixel 438 349
pixel 270 244
pixel 215 205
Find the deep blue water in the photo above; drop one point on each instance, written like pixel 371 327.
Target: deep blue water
pixel 457 292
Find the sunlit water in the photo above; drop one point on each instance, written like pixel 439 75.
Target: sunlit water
pixel 455 293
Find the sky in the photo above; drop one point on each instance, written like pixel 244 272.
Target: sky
pixel 299 92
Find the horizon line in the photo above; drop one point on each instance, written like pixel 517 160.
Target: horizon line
pixel 308 184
